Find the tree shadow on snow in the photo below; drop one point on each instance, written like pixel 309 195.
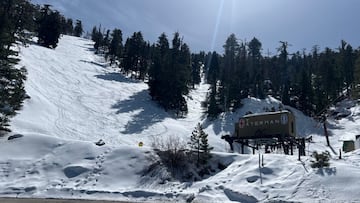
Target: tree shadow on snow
pixel 149 114
pixel 221 124
pixel 88 47
pixel 326 171
pixel 239 197
pixel 102 65
pixel 117 77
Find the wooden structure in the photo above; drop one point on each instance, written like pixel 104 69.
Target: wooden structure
pixel 348 145
pixel 266 125
pixel 271 129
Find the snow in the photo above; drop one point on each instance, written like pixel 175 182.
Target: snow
pixel 77 99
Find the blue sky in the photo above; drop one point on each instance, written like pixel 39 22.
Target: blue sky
pixel 205 24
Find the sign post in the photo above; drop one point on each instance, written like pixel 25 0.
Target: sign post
pixel 260 168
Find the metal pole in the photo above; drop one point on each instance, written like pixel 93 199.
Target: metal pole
pixel 260 169
pixel 339 153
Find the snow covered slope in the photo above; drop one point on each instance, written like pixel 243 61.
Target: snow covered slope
pixel 75 95
pixel 77 99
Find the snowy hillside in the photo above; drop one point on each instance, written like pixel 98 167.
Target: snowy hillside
pixel 74 95
pixel 77 99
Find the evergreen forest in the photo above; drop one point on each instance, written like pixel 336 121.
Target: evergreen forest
pixel 308 81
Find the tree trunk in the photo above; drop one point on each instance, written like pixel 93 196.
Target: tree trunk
pixel 326 133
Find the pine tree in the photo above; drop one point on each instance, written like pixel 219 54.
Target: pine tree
pixel 106 41
pixel 356 89
pixel 49 27
pixel 284 76
pixel 228 75
pixel 205 147
pixel 346 60
pixel 255 68
pixel 305 94
pixel 212 78
pixel 330 77
pixel 180 68
pixel 11 78
pixel 195 140
pixel 115 49
pixel 136 54
pixel 66 26
pixel 158 69
pixel 285 96
pixel 128 56
pixel 97 37
pixel 144 61
pixel 199 145
pixel 233 76
pixel 94 34
pixel 170 73
pixel 213 68
pixel 213 107
pixel 196 65
pixel 78 30
pixel 69 27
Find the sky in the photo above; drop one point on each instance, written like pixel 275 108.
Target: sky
pixel 205 24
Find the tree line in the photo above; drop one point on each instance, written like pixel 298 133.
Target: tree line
pixel 20 20
pixel 50 24
pixel 169 68
pixel 306 81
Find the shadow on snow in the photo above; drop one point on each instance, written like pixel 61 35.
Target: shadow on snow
pixel 103 65
pixel 149 114
pixel 225 123
pixel 117 77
